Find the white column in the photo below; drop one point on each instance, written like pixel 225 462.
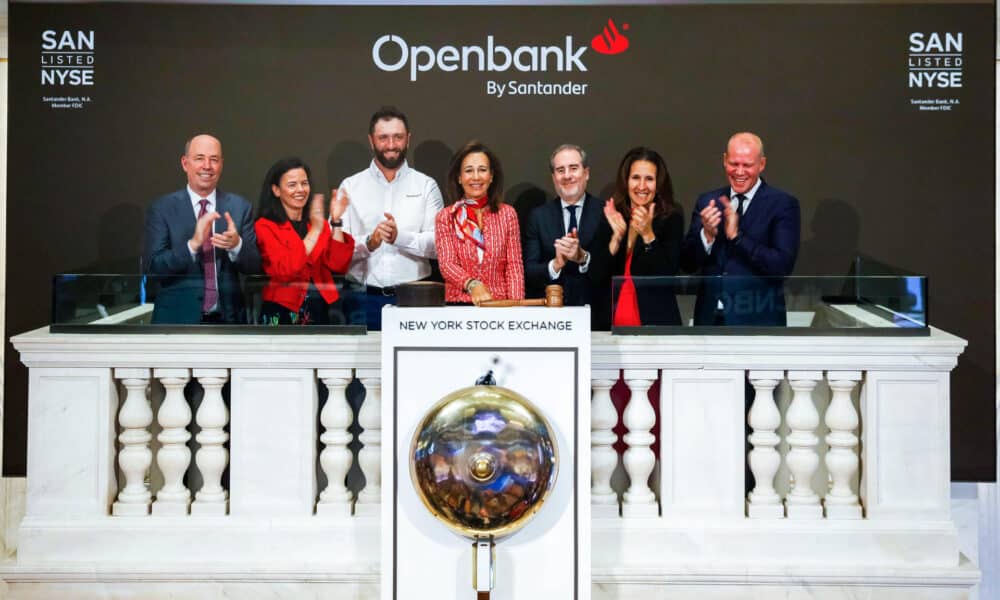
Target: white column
pixel 135 457
pixel 764 418
pixel 803 419
pixel 370 456
pixel 603 458
pixel 639 461
pixel 842 458
pixel 212 416
pixel 336 457
pixel 174 456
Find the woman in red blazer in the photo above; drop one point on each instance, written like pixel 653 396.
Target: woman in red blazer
pixel 299 249
pixel 477 238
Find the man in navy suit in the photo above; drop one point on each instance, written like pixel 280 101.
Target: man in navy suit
pixel 748 232
pixel 197 240
pixel 566 241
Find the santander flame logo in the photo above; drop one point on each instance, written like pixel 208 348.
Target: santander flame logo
pixel 610 41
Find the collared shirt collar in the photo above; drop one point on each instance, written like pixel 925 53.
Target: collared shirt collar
pixel 749 194
pixel 579 203
pixel 196 200
pixel 380 176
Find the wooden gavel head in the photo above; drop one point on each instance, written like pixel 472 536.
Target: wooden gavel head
pixel 553 295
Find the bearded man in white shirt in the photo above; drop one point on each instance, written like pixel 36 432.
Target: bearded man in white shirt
pixel 391 216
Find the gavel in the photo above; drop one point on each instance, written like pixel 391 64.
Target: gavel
pixel 553 297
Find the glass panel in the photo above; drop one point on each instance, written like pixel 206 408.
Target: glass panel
pixel 877 305
pixel 150 302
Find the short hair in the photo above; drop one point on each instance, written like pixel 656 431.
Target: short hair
pixel 387 113
pixel 269 206
pixel 664 199
pixel 454 189
pixel 584 161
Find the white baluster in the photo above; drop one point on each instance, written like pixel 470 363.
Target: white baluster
pixel 211 458
pixel 370 456
pixel 336 458
pixel 135 457
pixel 174 455
pixel 842 458
pixel 764 501
pixel 639 460
pixel 603 458
pixel 802 418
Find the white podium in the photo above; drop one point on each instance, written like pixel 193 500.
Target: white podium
pixel 542 354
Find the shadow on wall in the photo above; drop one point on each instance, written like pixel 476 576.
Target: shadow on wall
pixel 346 159
pixel 432 159
pixel 836 232
pixel 524 197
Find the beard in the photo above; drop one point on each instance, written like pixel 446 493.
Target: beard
pixel 393 163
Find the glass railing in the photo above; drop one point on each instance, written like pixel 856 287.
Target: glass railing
pixel 852 305
pixel 121 303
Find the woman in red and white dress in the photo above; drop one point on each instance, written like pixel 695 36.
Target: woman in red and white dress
pixel 476 235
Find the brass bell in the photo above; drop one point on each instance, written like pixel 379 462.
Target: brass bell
pixel 483 460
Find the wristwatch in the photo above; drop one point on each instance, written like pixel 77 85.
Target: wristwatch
pixel 471 284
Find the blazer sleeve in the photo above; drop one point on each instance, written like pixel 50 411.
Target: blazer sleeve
pixel 536 267
pixel 283 257
pixel 248 260
pixel 512 246
pixel 447 250
pixel 662 255
pixel 693 255
pixel 337 257
pixel 162 257
pixel 601 263
pixel 775 255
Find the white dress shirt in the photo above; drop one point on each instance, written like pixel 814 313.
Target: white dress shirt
pixel 413 199
pixel 234 253
pixel 585 265
pixel 746 205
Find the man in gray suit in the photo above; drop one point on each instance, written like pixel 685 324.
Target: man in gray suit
pixel 197 240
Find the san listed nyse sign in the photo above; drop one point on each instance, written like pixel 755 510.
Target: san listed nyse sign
pixel 935 61
pixel 392 53
pixel 67 61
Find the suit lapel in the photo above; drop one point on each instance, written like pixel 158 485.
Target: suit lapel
pixel 185 211
pixel 589 218
pixel 554 223
pixel 757 206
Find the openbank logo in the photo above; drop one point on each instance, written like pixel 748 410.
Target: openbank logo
pixel 393 53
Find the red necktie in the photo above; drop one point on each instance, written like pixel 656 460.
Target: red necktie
pixel 208 266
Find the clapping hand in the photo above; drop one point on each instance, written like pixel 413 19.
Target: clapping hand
pixel 615 218
pixel 339 201
pixel 732 218
pixel 228 239
pixel 711 216
pixel 387 228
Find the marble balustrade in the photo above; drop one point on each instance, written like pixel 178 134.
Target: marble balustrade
pixel 846 437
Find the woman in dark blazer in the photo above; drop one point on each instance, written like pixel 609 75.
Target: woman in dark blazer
pixel 647 230
pixel 299 247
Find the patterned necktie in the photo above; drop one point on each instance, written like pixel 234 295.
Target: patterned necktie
pixel 208 266
pixel 572 219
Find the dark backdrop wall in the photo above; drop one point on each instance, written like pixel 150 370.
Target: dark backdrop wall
pixel 828 87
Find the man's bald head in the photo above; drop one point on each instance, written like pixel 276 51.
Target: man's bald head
pixel 744 161
pixel 202 162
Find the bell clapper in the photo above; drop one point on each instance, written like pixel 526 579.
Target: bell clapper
pixel 484 552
